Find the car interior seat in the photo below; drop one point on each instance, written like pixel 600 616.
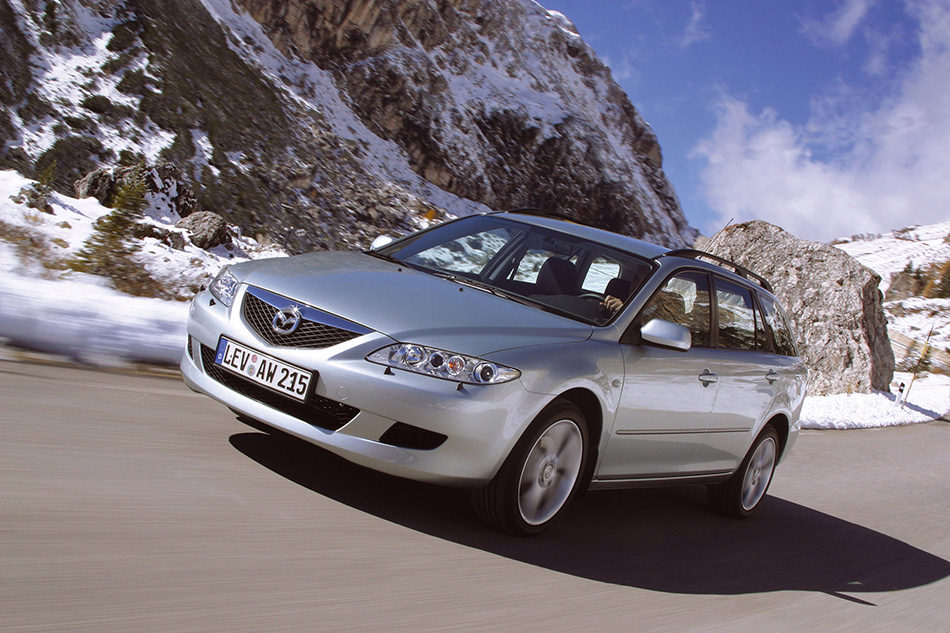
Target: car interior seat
pixel 557 277
pixel 619 288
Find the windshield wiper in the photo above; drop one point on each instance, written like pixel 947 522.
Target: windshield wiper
pixel 384 257
pixel 508 294
pixel 487 287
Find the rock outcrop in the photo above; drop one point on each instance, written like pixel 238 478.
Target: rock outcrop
pixel 497 102
pixel 205 229
pixel 163 180
pixel 327 122
pixel 832 300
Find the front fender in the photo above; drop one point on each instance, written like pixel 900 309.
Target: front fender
pixel 594 366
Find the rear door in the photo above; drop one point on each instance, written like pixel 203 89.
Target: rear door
pixel 749 375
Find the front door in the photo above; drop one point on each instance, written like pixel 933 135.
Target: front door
pixel 668 395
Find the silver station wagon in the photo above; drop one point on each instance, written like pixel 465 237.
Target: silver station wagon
pixel 520 355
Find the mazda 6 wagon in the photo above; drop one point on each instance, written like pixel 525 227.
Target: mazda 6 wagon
pixel 520 355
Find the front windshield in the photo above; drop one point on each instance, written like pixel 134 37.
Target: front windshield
pixel 551 270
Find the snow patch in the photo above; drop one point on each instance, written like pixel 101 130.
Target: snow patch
pixel 928 398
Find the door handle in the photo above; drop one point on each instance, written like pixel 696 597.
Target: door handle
pixel 707 378
pixel 772 377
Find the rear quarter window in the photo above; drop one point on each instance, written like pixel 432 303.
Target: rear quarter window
pixel 736 316
pixel 778 326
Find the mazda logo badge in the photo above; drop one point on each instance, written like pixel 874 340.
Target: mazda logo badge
pixel 286 321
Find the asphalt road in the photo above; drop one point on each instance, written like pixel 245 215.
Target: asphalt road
pixel 127 503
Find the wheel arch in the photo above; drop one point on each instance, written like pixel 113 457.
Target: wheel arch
pixel 780 423
pixel 590 406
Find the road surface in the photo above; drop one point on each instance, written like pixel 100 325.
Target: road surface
pixel 128 503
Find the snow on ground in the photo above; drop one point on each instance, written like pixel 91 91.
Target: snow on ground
pixel 928 398
pixel 82 321
pixel 889 254
pixel 79 318
pixel 71 224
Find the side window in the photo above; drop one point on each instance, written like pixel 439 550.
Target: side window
pixel 599 274
pixel 761 338
pixel 781 333
pixel 736 314
pixel 684 300
pixel 530 265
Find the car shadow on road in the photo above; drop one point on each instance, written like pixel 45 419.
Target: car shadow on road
pixel 657 539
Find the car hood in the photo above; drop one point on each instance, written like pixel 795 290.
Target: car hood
pixel 408 305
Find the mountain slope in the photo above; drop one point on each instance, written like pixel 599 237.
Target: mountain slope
pixel 921 252
pixel 319 124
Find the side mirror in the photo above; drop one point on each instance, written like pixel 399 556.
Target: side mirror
pixel 667 334
pixel 380 242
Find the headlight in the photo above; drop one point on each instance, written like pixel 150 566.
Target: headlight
pixel 441 364
pixel 225 286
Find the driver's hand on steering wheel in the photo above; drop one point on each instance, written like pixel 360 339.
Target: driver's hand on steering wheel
pixel 611 303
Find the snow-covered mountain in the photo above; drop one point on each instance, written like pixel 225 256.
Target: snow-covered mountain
pixel 889 253
pixel 921 252
pixel 318 123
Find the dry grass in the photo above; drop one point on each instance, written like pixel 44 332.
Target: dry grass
pixel 32 247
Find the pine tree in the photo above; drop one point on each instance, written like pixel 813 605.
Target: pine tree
pixel 109 248
pixel 939 286
pixel 44 186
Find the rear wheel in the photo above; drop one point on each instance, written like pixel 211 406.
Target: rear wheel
pixel 541 476
pixel 740 495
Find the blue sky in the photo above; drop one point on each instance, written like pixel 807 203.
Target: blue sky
pixel 825 117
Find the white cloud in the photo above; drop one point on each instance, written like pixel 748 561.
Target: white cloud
pixel 696 30
pixel 623 70
pixel 849 170
pixel 838 27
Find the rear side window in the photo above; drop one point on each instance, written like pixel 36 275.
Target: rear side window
pixel 684 300
pixel 599 274
pixel 736 312
pixel 778 325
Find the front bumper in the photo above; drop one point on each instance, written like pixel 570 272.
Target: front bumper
pixel 369 411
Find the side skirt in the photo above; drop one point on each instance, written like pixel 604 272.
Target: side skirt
pixel 653 482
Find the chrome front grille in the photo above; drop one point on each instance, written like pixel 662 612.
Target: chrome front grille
pixel 317 329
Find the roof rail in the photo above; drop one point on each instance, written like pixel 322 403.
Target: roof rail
pixel 745 273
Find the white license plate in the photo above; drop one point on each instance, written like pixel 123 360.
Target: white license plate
pixel 263 369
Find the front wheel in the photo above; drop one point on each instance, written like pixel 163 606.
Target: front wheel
pixel 739 496
pixel 541 476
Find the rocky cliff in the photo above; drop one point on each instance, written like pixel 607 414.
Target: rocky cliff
pixel 321 123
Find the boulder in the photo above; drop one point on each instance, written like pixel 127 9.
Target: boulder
pixel 99 184
pixel 905 284
pixel 166 183
pixel 34 196
pixel 206 229
pixel 832 300
pixel 163 181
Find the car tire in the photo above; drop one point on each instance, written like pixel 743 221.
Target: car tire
pixel 541 476
pixel 740 495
